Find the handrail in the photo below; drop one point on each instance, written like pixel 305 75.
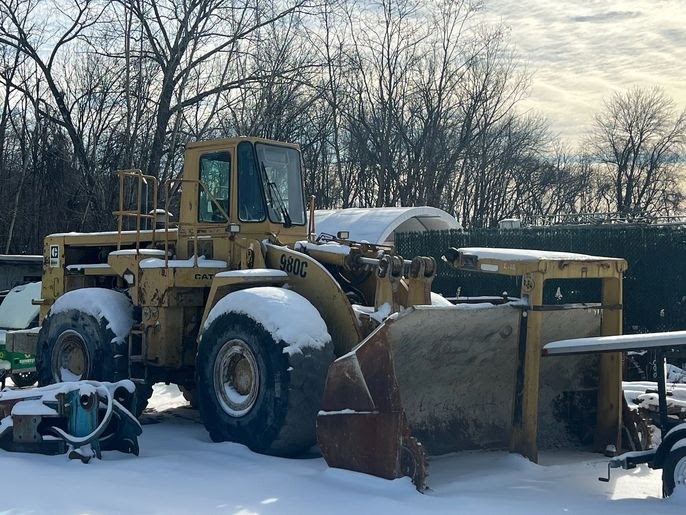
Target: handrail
pixel 121 213
pixel 141 179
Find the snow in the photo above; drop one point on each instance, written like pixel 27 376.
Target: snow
pixel 143 232
pixel 378 315
pixel 134 252
pixel 253 272
pixel 377 225
pixel 115 307
pixel 636 395
pixel 617 343
pixel 88 266
pixel 288 316
pixel 16 311
pixel 346 411
pixel 182 263
pixel 675 374
pixel 33 407
pixel 50 392
pixel 180 471
pixel 525 254
pixel 439 300
pixel 68 375
pixel 331 247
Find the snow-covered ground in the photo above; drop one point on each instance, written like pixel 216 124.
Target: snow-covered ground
pixel 181 471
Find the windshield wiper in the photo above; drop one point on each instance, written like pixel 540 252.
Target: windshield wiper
pixel 287 222
pixel 271 189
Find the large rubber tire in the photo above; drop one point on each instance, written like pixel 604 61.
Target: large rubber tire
pixel 74 345
pixel 105 358
pixel 675 464
pixel 281 420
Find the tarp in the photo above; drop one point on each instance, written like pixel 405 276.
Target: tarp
pixel 17 311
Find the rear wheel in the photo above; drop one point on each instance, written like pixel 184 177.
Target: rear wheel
pixel 251 392
pixel 674 471
pixel 73 345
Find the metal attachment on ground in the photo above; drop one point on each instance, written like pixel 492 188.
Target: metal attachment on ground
pixel 81 418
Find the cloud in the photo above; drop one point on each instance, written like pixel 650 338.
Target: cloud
pixel 606 16
pixel 582 51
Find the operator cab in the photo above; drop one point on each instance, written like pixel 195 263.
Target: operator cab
pixel 269 184
pixel 252 182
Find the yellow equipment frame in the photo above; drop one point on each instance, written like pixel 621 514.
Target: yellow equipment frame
pixel 535 268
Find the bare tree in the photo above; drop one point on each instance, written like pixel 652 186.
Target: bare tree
pixel 23 27
pixel 197 38
pixel 638 138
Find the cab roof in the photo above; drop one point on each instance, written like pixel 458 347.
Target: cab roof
pixel 212 143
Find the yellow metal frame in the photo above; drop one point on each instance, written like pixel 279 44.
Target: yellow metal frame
pixel 535 270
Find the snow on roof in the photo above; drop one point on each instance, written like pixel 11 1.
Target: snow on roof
pixel 525 254
pixel 21 258
pixel 379 224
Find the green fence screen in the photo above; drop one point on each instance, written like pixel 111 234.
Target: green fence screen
pixel 654 284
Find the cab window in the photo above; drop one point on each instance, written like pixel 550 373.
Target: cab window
pixel 250 197
pixel 282 183
pixel 215 171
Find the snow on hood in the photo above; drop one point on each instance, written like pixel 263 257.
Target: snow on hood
pixel 100 303
pixel 285 314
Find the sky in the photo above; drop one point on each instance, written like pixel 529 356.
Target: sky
pixel 582 51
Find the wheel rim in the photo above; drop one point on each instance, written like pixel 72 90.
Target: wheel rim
pixel 70 360
pixel 680 472
pixel 236 378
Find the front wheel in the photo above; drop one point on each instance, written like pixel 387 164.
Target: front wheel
pixel 674 470
pixel 252 391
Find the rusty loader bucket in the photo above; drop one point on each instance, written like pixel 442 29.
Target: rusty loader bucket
pixel 437 379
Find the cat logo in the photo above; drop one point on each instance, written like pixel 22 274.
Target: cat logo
pixel 54 256
pixel 203 277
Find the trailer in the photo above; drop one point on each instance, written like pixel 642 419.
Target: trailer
pixel 670 454
pixel 19 315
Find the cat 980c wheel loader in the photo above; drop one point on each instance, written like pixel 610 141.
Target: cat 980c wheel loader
pixel 284 340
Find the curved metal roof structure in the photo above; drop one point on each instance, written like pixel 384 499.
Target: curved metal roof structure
pixel 380 224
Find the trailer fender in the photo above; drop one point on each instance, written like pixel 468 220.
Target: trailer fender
pixel 675 434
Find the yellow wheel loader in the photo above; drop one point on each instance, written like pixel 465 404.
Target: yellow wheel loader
pixel 283 340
